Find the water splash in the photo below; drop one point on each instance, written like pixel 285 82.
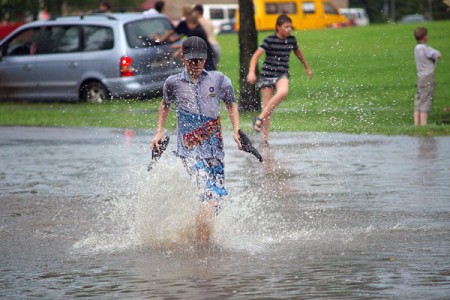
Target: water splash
pixel 165 206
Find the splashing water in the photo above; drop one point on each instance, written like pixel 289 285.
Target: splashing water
pixel 166 204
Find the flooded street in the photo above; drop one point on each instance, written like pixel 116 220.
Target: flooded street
pixel 325 216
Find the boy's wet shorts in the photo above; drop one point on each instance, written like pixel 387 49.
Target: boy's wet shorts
pixel 424 94
pixel 210 178
pixel 269 82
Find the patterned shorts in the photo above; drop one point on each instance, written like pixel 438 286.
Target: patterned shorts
pixel 424 94
pixel 210 178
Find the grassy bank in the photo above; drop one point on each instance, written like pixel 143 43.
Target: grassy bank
pixel 364 83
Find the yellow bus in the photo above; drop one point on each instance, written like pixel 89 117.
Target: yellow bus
pixel 305 14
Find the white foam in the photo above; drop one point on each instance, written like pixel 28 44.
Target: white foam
pixel 156 209
pixel 165 206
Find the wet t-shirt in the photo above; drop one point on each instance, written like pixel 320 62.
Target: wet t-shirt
pixel 199 133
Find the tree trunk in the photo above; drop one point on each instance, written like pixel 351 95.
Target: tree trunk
pixel 248 43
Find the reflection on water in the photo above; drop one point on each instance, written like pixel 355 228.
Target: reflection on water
pixel 325 215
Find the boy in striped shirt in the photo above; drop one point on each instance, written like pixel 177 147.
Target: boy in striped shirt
pixel 274 75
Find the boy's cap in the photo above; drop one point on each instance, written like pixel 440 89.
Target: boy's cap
pixel 194 48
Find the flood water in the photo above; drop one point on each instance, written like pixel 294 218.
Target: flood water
pixel 325 216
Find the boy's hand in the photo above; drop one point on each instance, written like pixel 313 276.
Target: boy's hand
pixel 237 139
pixel 251 78
pixel 155 142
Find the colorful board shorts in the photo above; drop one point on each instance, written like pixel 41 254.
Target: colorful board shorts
pixel 210 179
pixel 424 94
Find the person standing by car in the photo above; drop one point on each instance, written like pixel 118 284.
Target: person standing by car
pixel 197 93
pixel 104 7
pixel 275 71
pixel 192 27
pixel 426 59
pixel 181 29
pixel 195 29
pixel 157 9
pixel 208 27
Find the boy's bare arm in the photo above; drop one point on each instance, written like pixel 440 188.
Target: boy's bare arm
pixel 163 112
pixel 302 58
pixel 233 113
pixel 251 77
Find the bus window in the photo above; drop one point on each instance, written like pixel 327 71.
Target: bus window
pixel 217 14
pixel 288 8
pixel 232 13
pixel 271 8
pixel 281 8
pixel 309 7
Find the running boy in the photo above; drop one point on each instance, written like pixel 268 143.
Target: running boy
pixel 426 59
pixel 196 94
pixel 275 71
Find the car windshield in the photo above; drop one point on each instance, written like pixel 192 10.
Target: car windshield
pixel 140 34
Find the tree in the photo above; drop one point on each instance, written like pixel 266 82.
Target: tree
pixel 378 11
pixel 248 43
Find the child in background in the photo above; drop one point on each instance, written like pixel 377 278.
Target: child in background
pixel 426 59
pixel 275 71
pixel 208 27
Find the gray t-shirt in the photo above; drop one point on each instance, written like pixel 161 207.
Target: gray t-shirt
pixel 426 58
pixel 199 133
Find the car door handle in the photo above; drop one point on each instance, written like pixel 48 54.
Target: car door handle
pixel 27 67
pixel 73 65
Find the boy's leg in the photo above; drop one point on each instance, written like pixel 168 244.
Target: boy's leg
pixel 423 100
pixel 209 175
pixel 423 118
pixel 203 221
pixel 266 94
pixel 269 104
pixel 416 118
pixel 282 88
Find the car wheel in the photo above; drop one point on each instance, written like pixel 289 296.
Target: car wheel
pixel 94 92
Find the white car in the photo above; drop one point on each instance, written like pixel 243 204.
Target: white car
pixel 356 16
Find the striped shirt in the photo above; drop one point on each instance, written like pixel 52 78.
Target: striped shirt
pixel 277 52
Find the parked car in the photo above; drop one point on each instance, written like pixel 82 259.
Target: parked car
pixel 413 19
pixel 86 58
pixel 229 27
pixel 356 16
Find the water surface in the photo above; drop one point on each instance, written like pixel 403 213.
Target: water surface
pixel 326 216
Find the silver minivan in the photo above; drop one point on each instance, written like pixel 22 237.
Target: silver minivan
pixel 87 58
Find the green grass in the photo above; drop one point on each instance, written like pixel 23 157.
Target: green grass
pixel 364 82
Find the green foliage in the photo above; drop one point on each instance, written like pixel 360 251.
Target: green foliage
pixel 17 10
pixel 379 11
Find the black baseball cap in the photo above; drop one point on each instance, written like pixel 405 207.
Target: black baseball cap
pixel 194 48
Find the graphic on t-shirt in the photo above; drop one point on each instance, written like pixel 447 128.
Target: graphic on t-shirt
pixel 200 131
